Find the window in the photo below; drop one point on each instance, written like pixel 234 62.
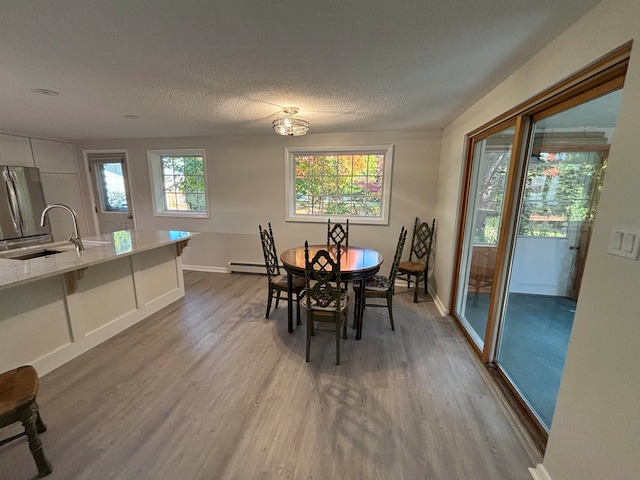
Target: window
pixel 334 182
pixel 111 182
pixel 560 190
pixel 179 182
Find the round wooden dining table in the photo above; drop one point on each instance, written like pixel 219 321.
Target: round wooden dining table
pixel 356 264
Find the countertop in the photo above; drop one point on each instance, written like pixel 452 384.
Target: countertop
pixel 98 249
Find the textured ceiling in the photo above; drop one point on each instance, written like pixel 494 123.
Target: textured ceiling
pixel 216 67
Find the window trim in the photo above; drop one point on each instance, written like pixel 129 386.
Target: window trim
pixel 385 208
pixel 156 180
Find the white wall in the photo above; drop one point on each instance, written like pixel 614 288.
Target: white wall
pixel 542 266
pixel 246 186
pixel 596 427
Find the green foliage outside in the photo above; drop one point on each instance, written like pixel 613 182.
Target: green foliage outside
pixel 116 201
pixel 492 177
pixel 339 184
pixel 559 190
pixel 184 178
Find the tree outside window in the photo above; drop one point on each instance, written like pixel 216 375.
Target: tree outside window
pixel 559 191
pixel 349 182
pixel 179 183
pixel 184 183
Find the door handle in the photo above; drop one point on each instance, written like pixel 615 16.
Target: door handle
pixel 130 217
pixel 14 209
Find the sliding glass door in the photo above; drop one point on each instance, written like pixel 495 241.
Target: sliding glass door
pixel 488 180
pixel 558 204
pixel 531 191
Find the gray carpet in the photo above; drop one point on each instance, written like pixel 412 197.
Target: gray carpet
pixel 533 346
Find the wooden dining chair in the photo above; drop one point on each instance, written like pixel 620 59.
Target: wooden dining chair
pixel 337 234
pixel 418 264
pixel 325 301
pixel 277 282
pixel 379 286
pixel 18 391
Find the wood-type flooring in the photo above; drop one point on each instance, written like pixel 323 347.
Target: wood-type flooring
pixel 209 389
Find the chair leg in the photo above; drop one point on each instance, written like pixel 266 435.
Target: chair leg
pixel 269 299
pixel 415 294
pixel 40 426
pixel 344 327
pixel 337 343
pixel 356 307
pixel 35 445
pixel 278 298
pixel 309 333
pixel 298 321
pixel 390 307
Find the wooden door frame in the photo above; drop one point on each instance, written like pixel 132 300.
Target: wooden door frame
pixel 603 76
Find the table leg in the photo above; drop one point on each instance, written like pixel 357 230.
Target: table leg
pixel 290 302
pixel 360 303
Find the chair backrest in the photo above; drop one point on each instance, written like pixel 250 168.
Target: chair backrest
pixel 397 256
pixel 422 241
pixel 269 251
pixel 322 277
pixel 337 234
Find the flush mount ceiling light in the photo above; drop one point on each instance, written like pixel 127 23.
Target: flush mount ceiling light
pixel 288 124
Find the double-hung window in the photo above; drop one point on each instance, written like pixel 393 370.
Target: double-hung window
pixel 335 182
pixel 179 182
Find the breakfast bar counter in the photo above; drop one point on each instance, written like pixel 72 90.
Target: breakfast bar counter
pixel 61 303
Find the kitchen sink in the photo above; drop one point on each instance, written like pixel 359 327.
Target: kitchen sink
pixel 33 254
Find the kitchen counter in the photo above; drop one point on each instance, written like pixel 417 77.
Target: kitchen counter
pixel 98 249
pixel 56 307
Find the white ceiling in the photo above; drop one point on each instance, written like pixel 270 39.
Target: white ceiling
pixel 211 67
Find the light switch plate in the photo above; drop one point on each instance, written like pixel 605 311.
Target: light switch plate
pixel 624 242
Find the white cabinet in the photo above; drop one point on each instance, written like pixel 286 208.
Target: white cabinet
pixel 54 157
pixel 64 188
pixel 15 150
pixel 59 175
pixel 61 184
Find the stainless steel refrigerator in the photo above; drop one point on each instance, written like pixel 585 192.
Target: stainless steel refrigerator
pixel 21 204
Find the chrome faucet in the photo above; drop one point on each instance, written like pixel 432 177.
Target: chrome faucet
pixel 75 236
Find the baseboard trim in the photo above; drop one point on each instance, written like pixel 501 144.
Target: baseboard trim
pixel 244 267
pixel 205 268
pixel 439 305
pixel 539 473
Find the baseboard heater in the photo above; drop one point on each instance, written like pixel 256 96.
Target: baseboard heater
pixel 243 267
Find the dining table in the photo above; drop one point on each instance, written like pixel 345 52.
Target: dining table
pixel 356 264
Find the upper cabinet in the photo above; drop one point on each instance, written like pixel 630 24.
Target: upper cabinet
pixel 54 157
pixel 15 150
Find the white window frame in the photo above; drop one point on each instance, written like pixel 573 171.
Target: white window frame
pixel 157 181
pixel 291 152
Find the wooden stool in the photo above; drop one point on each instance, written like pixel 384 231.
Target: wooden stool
pixel 18 390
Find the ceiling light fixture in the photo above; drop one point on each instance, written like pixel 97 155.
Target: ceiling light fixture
pixel 288 124
pixel 131 117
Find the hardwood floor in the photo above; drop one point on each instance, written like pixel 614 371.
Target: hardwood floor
pixel 208 388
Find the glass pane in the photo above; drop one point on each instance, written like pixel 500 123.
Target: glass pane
pixel 349 184
pixel 184 184
pixel 559 203
pixel 491 159
pixel 112 187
